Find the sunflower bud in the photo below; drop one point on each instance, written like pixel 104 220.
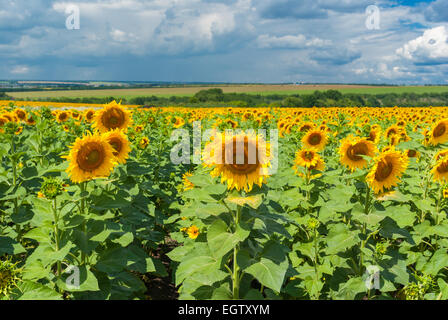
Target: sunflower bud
pixel 51 188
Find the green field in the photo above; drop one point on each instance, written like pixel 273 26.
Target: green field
pixel 249 89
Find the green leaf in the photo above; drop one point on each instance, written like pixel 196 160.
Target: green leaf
pixel 268 273
pixel 350 289
pixel 40 234
pixel 437 262
pixel 443 289
pixel 220 241
pixel 37 291
pixel 35 271
pixel 125 239
pixel 339 242
pixel 10 246
pixel 112 260
pixel 193 265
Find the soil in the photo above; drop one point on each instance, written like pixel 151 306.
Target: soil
pixel 159 288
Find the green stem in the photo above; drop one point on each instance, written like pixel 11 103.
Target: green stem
pixel 84 223
pixel 236 269
pixel 438 206
pixel 56 232
pixel 364 230
pixel 316 260
pixel 14 183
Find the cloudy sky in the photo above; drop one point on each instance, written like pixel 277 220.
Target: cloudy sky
pixel 226 40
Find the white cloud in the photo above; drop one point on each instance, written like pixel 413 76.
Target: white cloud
pixel 430 48
pixel 290 41
pixel 20 70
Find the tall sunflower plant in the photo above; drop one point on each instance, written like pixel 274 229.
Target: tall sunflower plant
pixel 232 247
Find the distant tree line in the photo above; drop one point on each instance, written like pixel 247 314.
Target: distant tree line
pixel 331 98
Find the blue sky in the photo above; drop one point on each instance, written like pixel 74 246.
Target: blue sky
pixel 226 41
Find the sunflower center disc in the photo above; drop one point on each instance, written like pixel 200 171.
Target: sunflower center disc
pixel 383 171
pixel 439 130
pixel 315 139
pixel 353 152
pixel 93 157
pixel 443 168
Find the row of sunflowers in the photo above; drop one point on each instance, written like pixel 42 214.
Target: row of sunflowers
pixel 92 207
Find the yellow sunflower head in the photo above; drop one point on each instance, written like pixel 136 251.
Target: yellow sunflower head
pixel 310 160
pixel 89 115
pixel 120 144
pixel 62 116
pixel 441 154
pixel 178 122
pixel 20 114
pixel 440 171
pixel 306 158
pixel 112 116
pixel 143 143
pixel 439 133
pixel 375 134
pixel 307 126
pixel 241 160
pixel 90 157
pixel 193 232
pixel 353 148
pixel 315 139
pixel 387 171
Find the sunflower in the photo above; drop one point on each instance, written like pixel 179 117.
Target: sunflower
pixel 193 232
pixel 441 154
pixel 232 123
pixel 20 114
pixel 89 115
pixel 393 130
pixel 143 143
pixel 10 276
pixel 440 171
pixel 240 160
pixel 315 139
pixel 439 133
pixel 178 122
pixel 3 121
pixel 76 115
pixel 19 130
pixel 112 116
pixel 119 142
pixel 138 128
pixel 62 116
pixel 374 134
pixel 90 157
pixel 30 120
pixel 308 158
pixel 445 193
pixel 307 126
pixel 305 158
pixel 187 183
pixel 413 153
pixel 387 170
pixel 353 148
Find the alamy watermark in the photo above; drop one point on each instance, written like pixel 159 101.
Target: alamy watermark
pixel 372 275
pixel 73 280
pixel 73 21
pixel 373 20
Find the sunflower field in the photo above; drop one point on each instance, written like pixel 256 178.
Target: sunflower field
pixel 92 207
